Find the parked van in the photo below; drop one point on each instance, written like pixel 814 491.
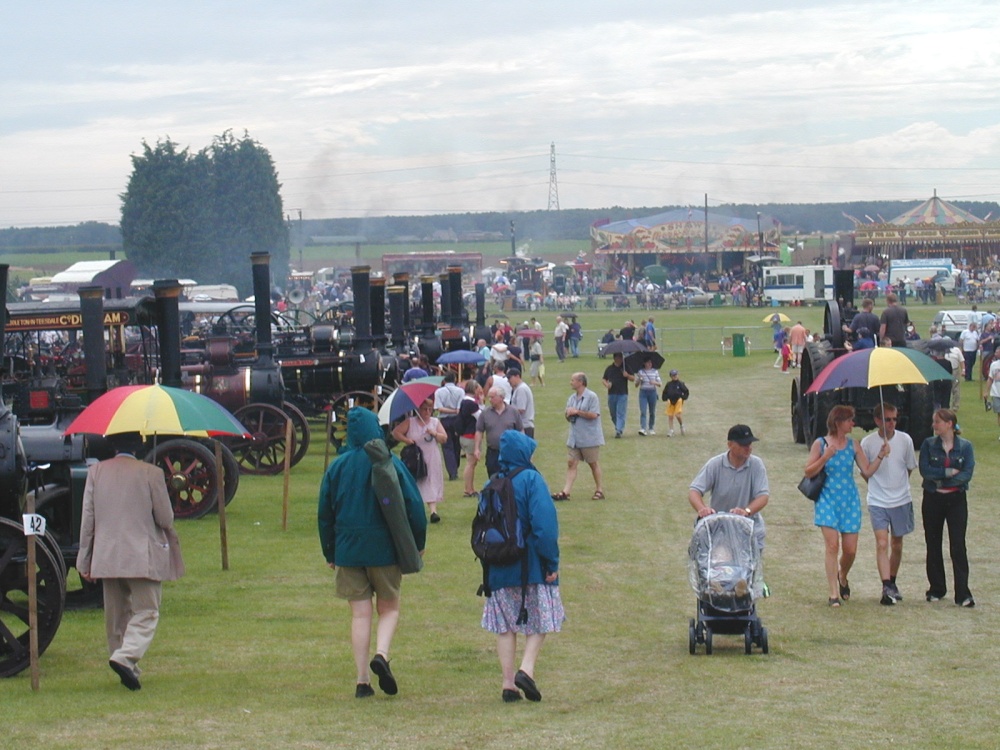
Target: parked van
pixel 953 322
pixel 940 270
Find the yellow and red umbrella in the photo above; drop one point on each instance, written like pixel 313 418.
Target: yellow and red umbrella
pixel 155 410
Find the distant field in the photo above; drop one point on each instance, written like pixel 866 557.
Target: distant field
pixel 315 257
pixel 26 265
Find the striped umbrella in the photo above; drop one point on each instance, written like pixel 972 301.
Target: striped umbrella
pixel 155 410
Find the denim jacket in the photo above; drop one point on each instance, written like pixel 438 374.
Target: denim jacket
pixel 932 464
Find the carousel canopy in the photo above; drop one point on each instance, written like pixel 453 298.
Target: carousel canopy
pixel 680 231
pixel 936 211
pixel 933 227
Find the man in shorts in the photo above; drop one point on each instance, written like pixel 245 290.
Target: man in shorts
pixel 358 544
pixel 583 412
pixel 890 506
pixel 797 340
pixel 735 480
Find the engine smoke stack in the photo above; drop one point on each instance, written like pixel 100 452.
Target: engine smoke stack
pixel 167 293
pixel 445 281
pixel 427 305
pixel 261 268
pixel 378 311
pixel 403 280
pixel 397 318
pixel 360 282
pixel 458 316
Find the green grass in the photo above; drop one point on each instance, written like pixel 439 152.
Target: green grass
pixel 259 656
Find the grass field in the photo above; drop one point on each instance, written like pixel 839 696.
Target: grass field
pixel 259 656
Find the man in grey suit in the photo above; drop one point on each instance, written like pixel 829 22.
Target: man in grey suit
pixel 127 540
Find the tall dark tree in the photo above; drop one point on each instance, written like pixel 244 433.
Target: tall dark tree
pixel 201 216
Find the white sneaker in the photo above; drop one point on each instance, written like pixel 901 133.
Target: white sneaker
pixel 670 434
pixel 651 432
pixel 682 429
pixel 642 432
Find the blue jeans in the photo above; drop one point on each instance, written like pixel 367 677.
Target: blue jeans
pixel 647 402
pixel 574 347
pixel 618 408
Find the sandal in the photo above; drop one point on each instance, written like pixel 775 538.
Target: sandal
pixel 560 496
pixel 833 602
pixel 470 494
pixel 845 590
pixel 598 495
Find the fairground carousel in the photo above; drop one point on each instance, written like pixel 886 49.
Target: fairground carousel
pixel 688 239
pixel 935 228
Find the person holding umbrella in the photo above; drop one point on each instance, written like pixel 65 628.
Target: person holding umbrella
pixel 127 540
pixel 425 431
pixel 838 510
pixel 616 379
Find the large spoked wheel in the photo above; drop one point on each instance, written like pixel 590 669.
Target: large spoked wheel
pixel 300 426
pixel 189 470
pixel 230 468
pixel 264 452
pixel 798 430
pixel 814 407
pixel 343 404
pixel 15 633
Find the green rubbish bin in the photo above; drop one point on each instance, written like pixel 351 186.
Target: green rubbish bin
pixel 739 345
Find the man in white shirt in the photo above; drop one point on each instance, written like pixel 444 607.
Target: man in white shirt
pixel 447 399
pixel 969 340
pixel 522 399
pixel 890 505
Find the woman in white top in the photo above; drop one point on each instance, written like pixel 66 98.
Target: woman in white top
pixel 648 382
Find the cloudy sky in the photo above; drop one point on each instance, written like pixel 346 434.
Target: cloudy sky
pixel 429 106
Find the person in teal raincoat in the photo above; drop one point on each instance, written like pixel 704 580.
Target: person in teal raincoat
pixel 358 544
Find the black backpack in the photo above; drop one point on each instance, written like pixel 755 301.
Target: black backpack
pixel 498 535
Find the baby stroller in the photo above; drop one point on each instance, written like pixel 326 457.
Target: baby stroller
pixel 724 571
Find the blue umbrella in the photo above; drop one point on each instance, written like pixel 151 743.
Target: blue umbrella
pixel 461 357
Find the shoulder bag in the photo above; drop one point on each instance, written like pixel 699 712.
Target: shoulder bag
pixel 413 458
pixel 811 487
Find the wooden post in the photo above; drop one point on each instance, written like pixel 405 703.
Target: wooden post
pixel 289 449
pixel 220 470
pixel 32 599
pixel 329 438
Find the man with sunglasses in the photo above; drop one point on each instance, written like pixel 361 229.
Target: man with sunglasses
pixel 890 505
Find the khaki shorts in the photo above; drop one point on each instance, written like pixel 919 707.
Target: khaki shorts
pixel 674 410
pixel 468 445
pixel 590 455
pixel 357 584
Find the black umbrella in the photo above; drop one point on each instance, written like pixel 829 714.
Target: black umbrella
pixel 942 344
pixel 634 362
pixel 624 346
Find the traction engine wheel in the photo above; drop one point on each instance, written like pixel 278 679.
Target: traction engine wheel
pixel 264 453
pixel 189 470
pixel 300 426
pixel 14 631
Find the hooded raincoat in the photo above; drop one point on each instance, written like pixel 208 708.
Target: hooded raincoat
pixel 352 530
pixel 537 512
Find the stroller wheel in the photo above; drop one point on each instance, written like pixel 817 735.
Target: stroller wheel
pixel 747 641
pixel 708 641
pixel 763 640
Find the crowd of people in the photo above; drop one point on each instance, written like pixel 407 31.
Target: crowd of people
pixel 365 528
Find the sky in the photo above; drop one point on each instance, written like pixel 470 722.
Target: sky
pixel 402 107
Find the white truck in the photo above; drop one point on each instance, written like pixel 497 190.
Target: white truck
pixel 941 270
pixel 797 283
